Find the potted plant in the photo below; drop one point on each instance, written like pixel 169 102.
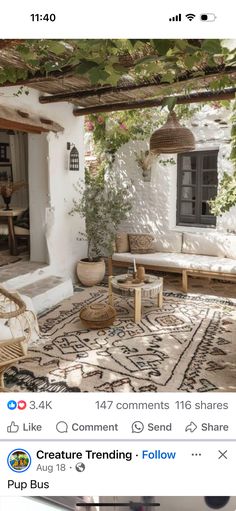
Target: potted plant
pixel 144 160
pixel 7 188
pixel 104 204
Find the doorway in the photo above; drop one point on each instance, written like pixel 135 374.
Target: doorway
pixel 14 188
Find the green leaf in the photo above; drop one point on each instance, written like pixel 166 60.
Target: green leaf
pixel 11 75
pixel 162 45
pixel 56 47
pixel 85 66
pixel 30 56
pixel 149 58
pixel 190 61
pixel 181 44
pixel 98 75
pixel 212 46
pixel 169 102
pixel 168 77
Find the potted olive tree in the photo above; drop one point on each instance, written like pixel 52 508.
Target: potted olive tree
pixel 104 203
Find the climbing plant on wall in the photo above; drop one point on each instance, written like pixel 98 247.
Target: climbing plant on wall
pixel 226 197
pixel 111 131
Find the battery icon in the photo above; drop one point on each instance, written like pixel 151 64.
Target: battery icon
pixel 208 16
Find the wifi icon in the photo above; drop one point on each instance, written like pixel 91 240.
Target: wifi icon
pixel 190 16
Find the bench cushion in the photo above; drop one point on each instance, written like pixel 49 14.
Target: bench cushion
pixel 180 261
pixel 167 242
pixel 212 244
pixel 209 244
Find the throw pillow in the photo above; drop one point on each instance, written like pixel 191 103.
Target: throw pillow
pixel 209 244
pixel 122 242
pixel 229 244
pixel 168 242
pixel 141 243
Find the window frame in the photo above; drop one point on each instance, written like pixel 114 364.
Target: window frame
pixel 198 220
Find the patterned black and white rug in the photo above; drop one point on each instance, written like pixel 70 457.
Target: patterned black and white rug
pixel 188 345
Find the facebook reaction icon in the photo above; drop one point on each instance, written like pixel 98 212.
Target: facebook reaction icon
pixel 12 404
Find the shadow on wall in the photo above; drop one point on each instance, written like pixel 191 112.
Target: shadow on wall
pixel 152 200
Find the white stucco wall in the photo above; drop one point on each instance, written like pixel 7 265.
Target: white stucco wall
pixel 38 190
pixel 155 201
pixel 52 184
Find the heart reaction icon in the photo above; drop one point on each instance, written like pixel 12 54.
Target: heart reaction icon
pixel 21 405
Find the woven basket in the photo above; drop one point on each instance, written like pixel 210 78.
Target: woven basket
pixel 172 138
pixel 98 315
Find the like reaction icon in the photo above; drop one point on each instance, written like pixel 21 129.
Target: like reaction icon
pixel 11 405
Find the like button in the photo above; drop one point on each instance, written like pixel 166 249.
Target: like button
pixel 13 428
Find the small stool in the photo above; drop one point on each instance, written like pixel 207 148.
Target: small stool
pixel 97 315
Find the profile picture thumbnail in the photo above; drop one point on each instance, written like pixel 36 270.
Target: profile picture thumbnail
pixel 19 460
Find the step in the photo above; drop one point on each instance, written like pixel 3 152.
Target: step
pixel 48 292
pixel 23 273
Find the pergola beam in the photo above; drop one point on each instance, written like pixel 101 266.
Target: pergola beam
pixel 187 78
pixel 196 97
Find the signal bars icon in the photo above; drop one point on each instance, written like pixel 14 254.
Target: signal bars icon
pixel 178 17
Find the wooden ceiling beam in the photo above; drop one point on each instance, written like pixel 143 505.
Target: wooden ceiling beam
pixel 6 124
pixel 187 78
pixel 196 97
pixel 90 93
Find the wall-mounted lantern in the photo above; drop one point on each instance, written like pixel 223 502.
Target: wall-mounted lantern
pixel 73 156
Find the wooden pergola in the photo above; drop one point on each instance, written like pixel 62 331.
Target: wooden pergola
pixel 67 85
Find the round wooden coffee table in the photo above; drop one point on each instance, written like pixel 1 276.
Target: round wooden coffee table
pixel 152 288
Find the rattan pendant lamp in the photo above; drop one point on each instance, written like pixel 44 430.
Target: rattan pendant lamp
pixel 172 138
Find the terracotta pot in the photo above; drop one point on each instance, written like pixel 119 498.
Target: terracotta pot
pixel 91 273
